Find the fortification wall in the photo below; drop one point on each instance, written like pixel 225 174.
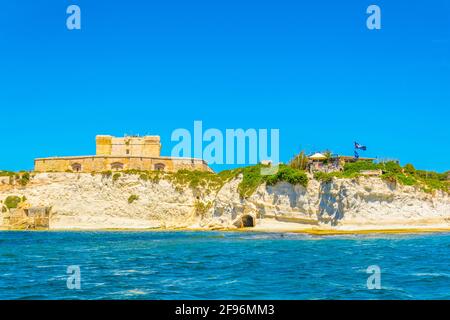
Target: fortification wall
pixel 104 163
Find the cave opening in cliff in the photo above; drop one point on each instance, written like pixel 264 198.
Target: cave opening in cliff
pixel 248 222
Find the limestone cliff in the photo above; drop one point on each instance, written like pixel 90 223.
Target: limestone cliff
pixel 85 201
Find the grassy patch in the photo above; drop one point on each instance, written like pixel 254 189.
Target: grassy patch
pixel 290 175
pixel 202 208
pixel 116 176
pixel 407 179
pixel 323 177
pixel 24 179
pixel 198 179
pixel 106 174
pixel 133 198
pixel 389 177
pixel 12 202
pixel 7 173
pixel 300 161
pixel 252 178
pixel 357 167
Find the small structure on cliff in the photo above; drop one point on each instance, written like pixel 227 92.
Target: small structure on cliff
pixel 34 218
pixel 330 162
pixel 121 153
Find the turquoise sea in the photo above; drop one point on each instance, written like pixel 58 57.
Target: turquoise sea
pixel 221 265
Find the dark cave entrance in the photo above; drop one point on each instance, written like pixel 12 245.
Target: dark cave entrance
pixel 248 221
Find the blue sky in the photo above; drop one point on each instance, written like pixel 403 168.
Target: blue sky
pixel 309 68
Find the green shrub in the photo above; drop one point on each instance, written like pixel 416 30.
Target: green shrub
pixel 196 179
pixel 433 184
pixel 358 166
pixel 11 202
pixel 323 177
pixel 290 175
pixel 432 175
pixel 392 167
pixel 328 155
pixel 143 177
pixel 389 177
pixel 132 172
pixel 406 180
pixel 116 176
pixel 409 169
pixel 251 180
pixel 24 178
pixel 7 174
pixel 201 208
pixel 133 198
pixel 107 174
pixel 155 176
pixel 300 161
pixel 408 175
pixel 227 175
pixel 393 173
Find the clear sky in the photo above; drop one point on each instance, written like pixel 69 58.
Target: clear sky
pixel 309 68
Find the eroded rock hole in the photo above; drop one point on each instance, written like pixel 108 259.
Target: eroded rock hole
pixel 248 222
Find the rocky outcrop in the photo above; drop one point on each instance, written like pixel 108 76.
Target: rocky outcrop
pixel 37 218
pixel 85 201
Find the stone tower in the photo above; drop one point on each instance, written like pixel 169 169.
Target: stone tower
pixel 148 146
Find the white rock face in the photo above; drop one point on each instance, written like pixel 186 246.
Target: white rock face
pixel 371 201
pixel 83 201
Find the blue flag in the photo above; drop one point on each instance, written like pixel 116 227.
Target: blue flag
pixel 361 147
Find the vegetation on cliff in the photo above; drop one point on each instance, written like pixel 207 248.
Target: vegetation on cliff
pixel 133 198
pixel 253 177
pixel 116 176
pixel 392 172
pixel 22 177
pixel 12 202
pixel 202 208
pixel 7 173
pixel 199 179
pixel 300 161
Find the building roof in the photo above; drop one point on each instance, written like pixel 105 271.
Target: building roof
pixel 317 156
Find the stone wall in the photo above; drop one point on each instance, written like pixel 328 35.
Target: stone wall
pixel 104 163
